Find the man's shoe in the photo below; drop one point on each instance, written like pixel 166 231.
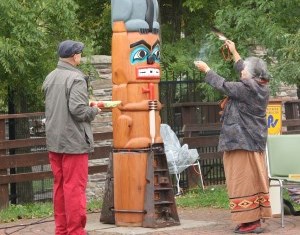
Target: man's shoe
pixel 252 227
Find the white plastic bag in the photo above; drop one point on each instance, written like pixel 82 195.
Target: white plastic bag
pixel 178 157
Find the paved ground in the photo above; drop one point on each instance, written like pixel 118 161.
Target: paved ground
pixel 193 222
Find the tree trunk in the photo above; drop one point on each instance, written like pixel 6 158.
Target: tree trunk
pixel 177 18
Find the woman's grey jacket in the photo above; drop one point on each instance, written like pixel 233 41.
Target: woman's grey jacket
pixel 244 117
pixel 68 115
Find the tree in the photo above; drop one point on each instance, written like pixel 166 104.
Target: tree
pixel 29 34
pixel 184 26
pixel 95 24
pixel 272 25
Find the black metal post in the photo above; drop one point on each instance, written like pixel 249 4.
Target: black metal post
pixel 12 136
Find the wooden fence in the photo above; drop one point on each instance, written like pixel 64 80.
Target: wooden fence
pixel 292 114
pixel 36 158
pixel 200 130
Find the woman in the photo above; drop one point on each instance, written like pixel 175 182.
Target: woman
pixel 243 140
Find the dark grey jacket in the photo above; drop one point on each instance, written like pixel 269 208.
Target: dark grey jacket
pixel 244 118
pixel 68 115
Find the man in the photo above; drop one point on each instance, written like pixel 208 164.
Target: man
pixel 69 138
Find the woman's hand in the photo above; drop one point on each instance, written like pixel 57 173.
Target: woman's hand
pixel 202 66
pixel 230 45
pixel 232 49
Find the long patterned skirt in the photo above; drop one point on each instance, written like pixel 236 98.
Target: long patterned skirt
pixel 248 185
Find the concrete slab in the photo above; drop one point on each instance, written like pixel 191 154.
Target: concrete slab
pixel 99 228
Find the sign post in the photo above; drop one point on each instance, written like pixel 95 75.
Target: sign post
pixel 274 121
pixel 274 117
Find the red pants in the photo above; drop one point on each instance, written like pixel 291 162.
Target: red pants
pixel 70 179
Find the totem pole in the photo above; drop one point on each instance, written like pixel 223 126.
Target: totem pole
pixel 138 187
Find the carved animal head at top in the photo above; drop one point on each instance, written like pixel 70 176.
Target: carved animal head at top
pixel 138 16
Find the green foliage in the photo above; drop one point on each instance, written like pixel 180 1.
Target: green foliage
pixel 193 5
pixel 178 56
pixel 29 34
pixel 196 42
pixel 105 31
pixel 271 24
pixel 95 24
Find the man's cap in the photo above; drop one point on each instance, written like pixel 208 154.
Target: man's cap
pixel 69 48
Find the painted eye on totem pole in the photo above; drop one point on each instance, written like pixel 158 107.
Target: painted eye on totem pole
pixel 156 53
pixel 139 54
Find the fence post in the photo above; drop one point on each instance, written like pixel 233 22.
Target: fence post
pixel 4 195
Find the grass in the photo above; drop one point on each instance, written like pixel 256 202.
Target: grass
pixel 27 211
pixel 213 196
pixel 37 210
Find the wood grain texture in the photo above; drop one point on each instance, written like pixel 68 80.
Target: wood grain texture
pixel 129 187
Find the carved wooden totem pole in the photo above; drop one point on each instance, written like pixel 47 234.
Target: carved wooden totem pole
pixel 138 187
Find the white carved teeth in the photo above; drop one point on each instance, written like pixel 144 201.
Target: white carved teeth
pixel 148 72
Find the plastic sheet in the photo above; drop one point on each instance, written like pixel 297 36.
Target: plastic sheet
pixel 178 157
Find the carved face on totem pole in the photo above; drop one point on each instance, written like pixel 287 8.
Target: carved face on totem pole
pixel 137 58
pixel 136 73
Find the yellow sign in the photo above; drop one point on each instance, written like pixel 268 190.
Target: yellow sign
pixel 274 118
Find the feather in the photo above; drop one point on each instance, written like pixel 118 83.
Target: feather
pixel 218 33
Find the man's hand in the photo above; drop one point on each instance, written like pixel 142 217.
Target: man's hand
pixel 202 66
